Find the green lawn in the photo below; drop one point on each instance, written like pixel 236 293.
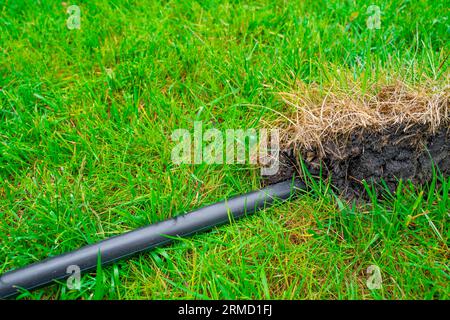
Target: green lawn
pixel 85 151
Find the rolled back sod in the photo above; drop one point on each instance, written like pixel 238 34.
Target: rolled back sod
pixel 397 134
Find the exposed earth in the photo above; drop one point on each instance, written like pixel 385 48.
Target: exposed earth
pixel 372 155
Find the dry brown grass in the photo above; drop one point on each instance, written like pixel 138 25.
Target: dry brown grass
pixel 320 116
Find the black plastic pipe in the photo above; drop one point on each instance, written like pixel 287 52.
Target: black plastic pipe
pixel 112 249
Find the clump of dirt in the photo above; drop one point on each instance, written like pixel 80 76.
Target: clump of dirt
pixel 394 133
pixel 390 154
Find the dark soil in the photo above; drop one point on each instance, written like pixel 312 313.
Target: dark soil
pixel 392 154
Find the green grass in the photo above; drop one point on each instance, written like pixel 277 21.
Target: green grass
pixel 86 118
